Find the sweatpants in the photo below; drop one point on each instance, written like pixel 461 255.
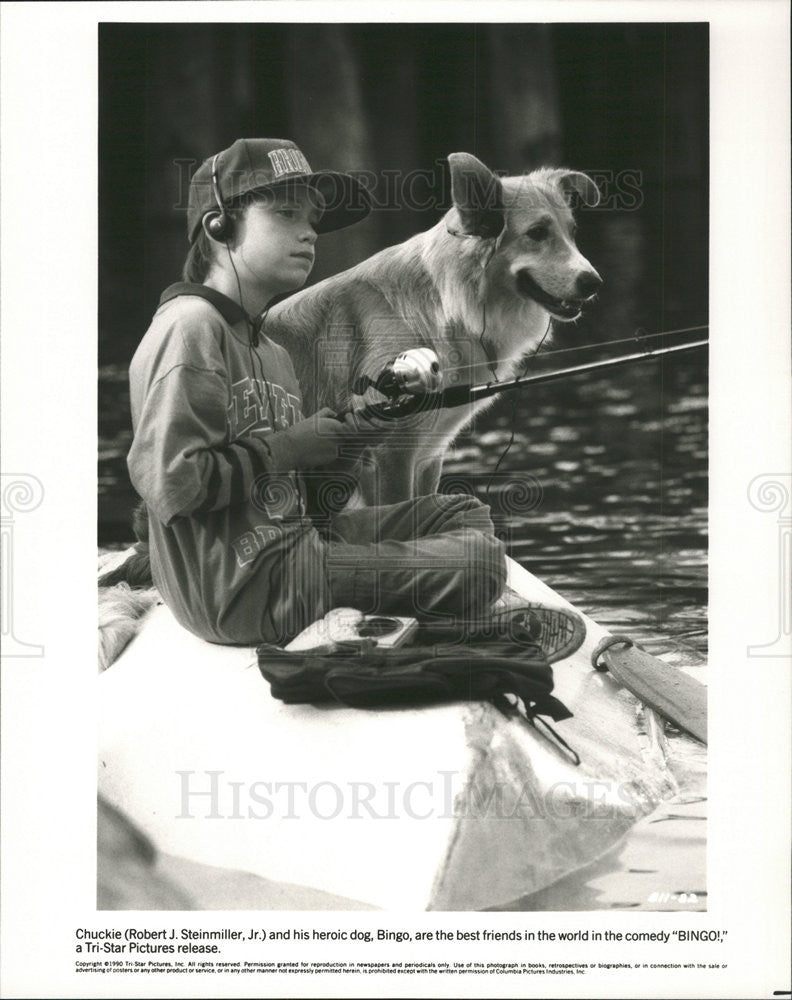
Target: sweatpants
pixel 434 558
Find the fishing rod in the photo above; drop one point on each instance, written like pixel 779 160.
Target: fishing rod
pixel 407 377
pixel 640 337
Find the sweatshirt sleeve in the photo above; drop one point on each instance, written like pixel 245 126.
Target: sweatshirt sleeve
pixel 181 461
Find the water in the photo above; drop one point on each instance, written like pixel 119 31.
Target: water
pixel 602 494
pixel 616 479
pixel 613 509
pixel 610 475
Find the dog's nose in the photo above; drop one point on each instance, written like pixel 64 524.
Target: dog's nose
pixel 588 283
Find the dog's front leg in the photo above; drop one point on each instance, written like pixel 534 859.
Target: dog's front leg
pixel 396 474
pixel 387 475
pixel 426 474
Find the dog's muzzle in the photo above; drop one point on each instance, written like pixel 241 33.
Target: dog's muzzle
pixel 563 309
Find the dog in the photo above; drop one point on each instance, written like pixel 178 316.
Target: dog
pixel 480 289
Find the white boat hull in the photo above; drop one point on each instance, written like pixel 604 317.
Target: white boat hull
pixel 452 807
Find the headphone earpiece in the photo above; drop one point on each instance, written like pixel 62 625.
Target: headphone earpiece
pixel 219 226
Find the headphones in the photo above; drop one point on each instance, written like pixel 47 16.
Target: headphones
pixel 221 225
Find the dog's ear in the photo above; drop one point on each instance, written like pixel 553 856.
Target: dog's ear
pixel 478 198
pixel 577 187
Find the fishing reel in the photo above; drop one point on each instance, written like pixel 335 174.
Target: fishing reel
pixel 414 373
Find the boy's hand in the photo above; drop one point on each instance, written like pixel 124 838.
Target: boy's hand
pixel 369 429
pixel 319 439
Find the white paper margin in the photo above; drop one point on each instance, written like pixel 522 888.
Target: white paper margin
pixel 49 306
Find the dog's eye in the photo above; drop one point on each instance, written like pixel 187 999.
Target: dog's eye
pixel 539 232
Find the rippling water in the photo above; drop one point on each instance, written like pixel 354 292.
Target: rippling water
pixel 615 474
pixel 603 492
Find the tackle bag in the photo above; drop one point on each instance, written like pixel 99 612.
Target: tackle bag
pixel 370 677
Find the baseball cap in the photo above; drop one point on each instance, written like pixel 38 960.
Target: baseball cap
pixel 254 164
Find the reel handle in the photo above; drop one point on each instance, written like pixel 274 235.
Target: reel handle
pixel 414 372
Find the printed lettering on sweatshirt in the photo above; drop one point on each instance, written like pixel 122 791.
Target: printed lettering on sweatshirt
pixel 248 546
pixel 255 405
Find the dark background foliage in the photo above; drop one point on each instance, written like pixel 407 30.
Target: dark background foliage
pixel 618 100
pixel 619 462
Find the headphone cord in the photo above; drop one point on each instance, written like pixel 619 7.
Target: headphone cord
pixel 293 475
pixel 253 335
pixel 255 328
pixel 491 364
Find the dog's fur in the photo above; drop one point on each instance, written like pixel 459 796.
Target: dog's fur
pixel 480 288
pixel 467 288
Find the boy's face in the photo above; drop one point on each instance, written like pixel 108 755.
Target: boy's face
pixel 274 242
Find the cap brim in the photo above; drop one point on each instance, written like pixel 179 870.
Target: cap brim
pixel 346 200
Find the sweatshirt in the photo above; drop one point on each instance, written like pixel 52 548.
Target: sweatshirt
pixel 231 552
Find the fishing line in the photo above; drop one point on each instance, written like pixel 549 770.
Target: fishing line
pixel 639 335
pixel 491 362
pixel 524 362
pixel 603 343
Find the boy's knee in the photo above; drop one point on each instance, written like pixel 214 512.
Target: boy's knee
pixel 457 510
pixel 495 570
pixel 458 501
pixel 487 571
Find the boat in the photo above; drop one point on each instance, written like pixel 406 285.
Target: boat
pixel 446 807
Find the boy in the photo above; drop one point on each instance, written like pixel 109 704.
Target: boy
pixel 221 445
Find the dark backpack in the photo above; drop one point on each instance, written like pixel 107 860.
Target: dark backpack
pixel 372 677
